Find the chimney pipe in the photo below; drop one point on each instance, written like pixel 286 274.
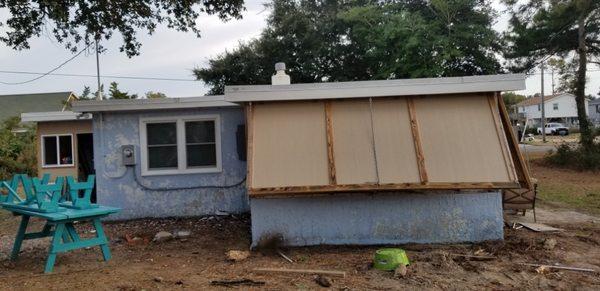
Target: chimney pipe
pixel 280 77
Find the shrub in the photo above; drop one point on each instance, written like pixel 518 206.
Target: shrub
pixel 17 150
pixel 576 157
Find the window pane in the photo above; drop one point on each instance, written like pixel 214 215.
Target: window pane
pixel 162 157
pixel 201 155
pixel 161 133
pixel 199 131
pixel 66 150
pixel 50 150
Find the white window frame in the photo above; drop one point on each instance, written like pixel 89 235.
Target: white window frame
pixel 57 137
pixel 181 145
pixel 554 106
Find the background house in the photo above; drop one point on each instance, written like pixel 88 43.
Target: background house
pixel 559 107
pixel 594 111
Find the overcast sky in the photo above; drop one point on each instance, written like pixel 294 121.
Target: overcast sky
pixel 166 54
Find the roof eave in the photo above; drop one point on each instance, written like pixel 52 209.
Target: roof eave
pixel 151 104
pixel 358 89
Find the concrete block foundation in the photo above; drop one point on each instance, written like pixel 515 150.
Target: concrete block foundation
pixel 382 218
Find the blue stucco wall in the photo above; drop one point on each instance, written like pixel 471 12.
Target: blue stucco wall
pixel 116 185
pixel 393 218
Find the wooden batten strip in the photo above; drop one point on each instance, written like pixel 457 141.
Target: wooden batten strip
pixel 249 144
pixel 307 190
pixel 510 168
pixel 518 160
pixel 330 153
pixel 414 126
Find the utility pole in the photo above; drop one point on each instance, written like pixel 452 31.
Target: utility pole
pixel 543 106
pixel 98 93
pixel 552 80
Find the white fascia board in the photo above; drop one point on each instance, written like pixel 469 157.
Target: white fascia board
pixel 150 104
pixel 53 116
pixel 358 89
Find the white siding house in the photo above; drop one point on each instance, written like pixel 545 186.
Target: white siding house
pixel 594 111
pixel 559 108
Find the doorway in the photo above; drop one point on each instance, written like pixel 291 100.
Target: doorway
pixel 85 150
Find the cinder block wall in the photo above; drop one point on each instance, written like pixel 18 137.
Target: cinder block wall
pixel 383 218
pixel 117 185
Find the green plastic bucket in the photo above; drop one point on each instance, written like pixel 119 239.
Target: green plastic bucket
pixel 389 259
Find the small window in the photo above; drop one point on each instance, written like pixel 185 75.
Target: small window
pixel 539 107
pixel 200 145
pixel 162 145
pixel 598 108
pixel 555 106
pixel 57 150
pixel 179 146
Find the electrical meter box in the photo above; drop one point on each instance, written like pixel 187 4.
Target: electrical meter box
pixel 128 152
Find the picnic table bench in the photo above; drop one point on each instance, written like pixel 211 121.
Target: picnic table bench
pixel 46 201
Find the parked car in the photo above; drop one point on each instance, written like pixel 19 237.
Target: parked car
pixel 555 129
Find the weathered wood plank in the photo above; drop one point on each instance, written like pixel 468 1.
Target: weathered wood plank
pixel 330 153
pixel 249 144
pixel 519 161
pixel 414 125
pixel 304 190
pixel 510 168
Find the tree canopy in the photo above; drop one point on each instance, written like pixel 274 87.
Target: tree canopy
pixel 72 22
pixel 334 40
pixel 115 93
pixel 569 29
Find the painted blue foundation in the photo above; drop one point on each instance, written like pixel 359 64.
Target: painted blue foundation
pixel 117 186
pixel 393 218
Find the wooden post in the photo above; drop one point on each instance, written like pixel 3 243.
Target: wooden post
pixel 414 126
pixel 330 154
pixel 249 142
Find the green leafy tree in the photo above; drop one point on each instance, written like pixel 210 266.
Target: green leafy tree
pixel 115 93
pixel 363 40
pixel 17 149
pixel 83 21
pixel 155 95
pixel 511 98
pixel 569 29
pixel 567 74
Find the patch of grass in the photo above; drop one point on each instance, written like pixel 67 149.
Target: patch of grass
pixel 567 194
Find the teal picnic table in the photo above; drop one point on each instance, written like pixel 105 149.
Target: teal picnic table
pixel 44 200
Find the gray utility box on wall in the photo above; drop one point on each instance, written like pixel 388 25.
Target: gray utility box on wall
pixel 128 152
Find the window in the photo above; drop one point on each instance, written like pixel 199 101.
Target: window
pixel 555 106
pixel 598 108
pixel 57 150
pixel 180 145
pixel 539 107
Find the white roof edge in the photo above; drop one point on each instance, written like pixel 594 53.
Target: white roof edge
pixel 53 116
pixel 378 88
pixel 151 104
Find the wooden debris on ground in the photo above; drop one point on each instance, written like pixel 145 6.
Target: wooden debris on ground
pixel 539 227
pixel 301 271
pixel 239 282
pixel 474 258
pixel 285 257
pixel 541 268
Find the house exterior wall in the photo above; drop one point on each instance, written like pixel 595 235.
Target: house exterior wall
pixel 73 127
pixel 567 107
pixel 119 186
pixel 382 218
pixel 594 111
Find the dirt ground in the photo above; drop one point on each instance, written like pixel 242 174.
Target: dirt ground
pixel 192 263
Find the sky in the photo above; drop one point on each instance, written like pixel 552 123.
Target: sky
pixel 165 54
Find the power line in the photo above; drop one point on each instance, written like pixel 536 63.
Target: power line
pixel 102 76
pixel 49 72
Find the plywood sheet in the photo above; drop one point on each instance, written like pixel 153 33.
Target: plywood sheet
pixel 289 145
pixel 353 142
pixel 396 157
pixel 460 141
